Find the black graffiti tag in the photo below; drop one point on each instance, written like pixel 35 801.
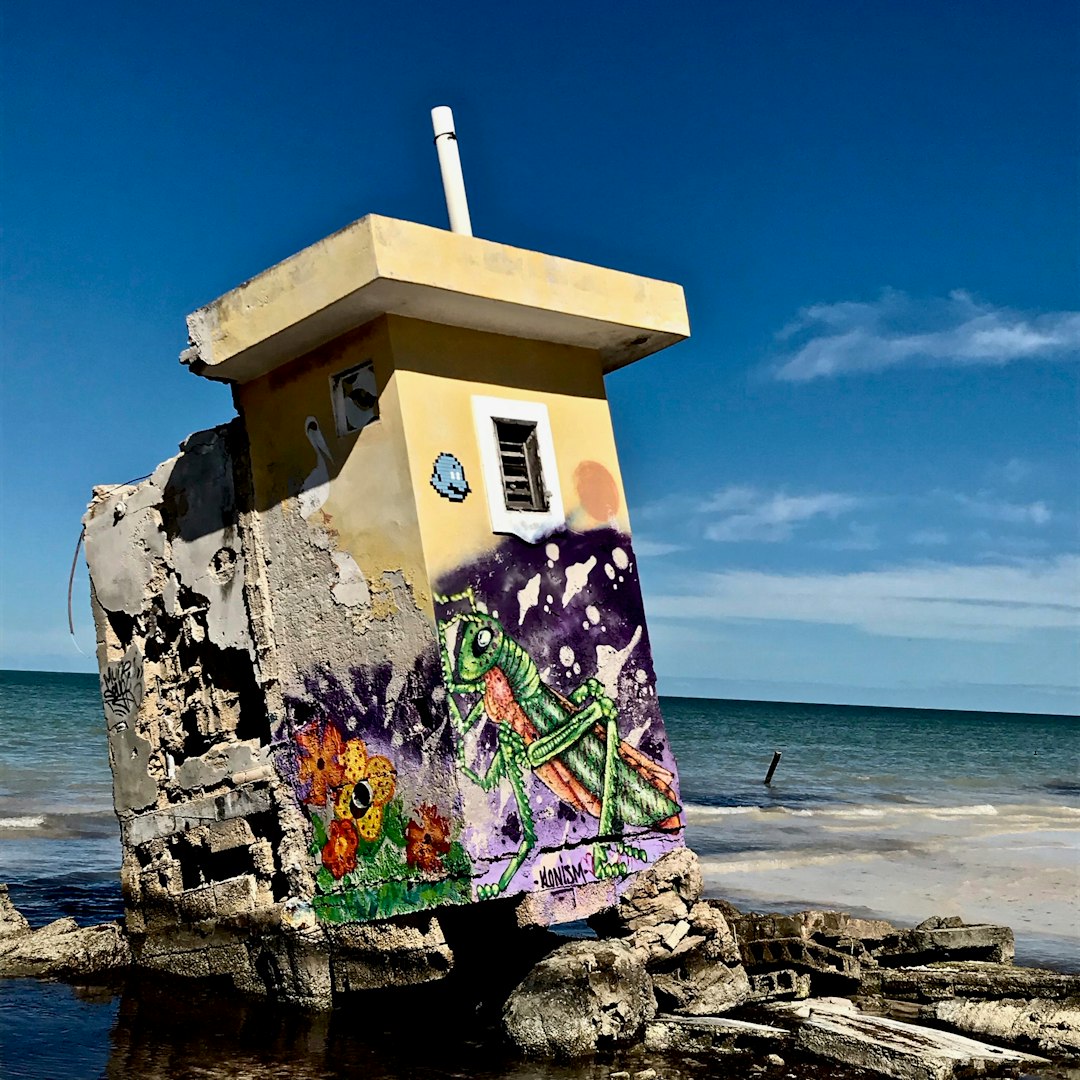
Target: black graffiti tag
pixel 118 688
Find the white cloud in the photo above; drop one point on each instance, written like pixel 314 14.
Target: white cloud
pixel 983 506
pixel 835 339
pixel 644 548
pixel 1014 471
pixel 929 537
pixel 755 515
pixel 931 600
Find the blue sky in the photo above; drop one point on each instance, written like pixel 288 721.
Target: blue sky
pixel 857 482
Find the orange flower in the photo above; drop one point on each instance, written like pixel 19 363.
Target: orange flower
pixel 369 786
pixel 427 840
pixel 339 855
pixel 320 761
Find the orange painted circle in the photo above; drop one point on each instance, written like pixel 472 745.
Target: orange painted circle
pixel 597 490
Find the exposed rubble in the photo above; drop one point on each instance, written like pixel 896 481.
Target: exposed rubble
pixel 1047 1027
pixel 62 949
pixel 837 1031
pixel 585 996
pixel 668 976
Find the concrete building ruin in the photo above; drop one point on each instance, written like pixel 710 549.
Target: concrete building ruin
pixel 376 646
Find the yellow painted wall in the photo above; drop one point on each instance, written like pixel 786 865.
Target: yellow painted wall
pixel 438 369
pixel 371 510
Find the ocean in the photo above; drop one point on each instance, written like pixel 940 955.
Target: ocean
pixel 893 813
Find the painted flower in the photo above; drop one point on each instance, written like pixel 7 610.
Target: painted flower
pixel 427 840
pixel 321 762
pixel 339 855
pixel 368 787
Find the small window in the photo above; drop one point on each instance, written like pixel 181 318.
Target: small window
pixel 356 398
pixel 519 460
pixel 521 473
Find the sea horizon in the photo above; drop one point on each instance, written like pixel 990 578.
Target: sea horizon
pixel 663 695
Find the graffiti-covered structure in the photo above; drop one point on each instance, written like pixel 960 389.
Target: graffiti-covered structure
pixel 377 645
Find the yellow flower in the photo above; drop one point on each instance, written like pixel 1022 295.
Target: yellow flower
pixel 369 786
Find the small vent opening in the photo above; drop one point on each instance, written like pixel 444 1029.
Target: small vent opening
pixel 519 459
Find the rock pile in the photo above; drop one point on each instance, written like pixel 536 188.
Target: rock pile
pixel 690 966
pixel 62 949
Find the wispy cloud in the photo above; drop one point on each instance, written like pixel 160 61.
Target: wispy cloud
pixel 927 600
pixel 749 514
pixel 992 509
pixel 929 537
pixel 645 548
pixel 896 329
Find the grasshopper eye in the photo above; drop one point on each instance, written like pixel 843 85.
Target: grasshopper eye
pixel 483 639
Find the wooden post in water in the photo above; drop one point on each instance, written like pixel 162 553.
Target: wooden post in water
pixel 776 756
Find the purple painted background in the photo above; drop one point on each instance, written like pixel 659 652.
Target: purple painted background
pixel 588 607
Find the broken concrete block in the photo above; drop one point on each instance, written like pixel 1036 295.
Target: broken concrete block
pixel 836 1031
pixel 932 941
pixel 663 893
pixel 65 950
pixel 710 1035
pixel 783 985
pixel 830 969
pixel 681 929
pixel 235 896
pixel 976 979
pixel 585 994
pixel 397 952
pixel 822 926
pixel 1050 1027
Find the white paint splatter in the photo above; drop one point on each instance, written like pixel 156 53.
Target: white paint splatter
pixel 577 577
pixel 592 614
pixel 552 552
pixel 610 662
pixel 528 597
pixel 577 669
pixel 566 656
pixel 620 558
pixel 350 589
pixel 585 625
pixel 550 599
pixel 546 607
pixel 610 571
pixel 640 675
pixel 495 614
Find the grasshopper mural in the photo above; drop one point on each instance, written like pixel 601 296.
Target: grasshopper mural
pixel 570 742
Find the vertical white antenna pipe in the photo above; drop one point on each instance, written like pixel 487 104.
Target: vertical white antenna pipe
pixel 457 205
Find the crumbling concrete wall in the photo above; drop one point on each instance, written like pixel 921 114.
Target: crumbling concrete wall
pixel 215 854
pixel 184 710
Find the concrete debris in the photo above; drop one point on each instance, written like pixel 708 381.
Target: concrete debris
pixel 660 895
pixel 838 1032
pixel 841 952
pixel 12 921
pixel 831 970
pixel 710 1035
pixel 64 950
pixel 975 980
pixel 947 939
pixel 685 943
pixel 585 996
pixel 783 985
pixel 1047 1026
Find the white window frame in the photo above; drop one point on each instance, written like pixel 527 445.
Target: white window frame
pixel 530 525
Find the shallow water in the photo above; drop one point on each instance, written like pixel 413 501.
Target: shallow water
pixel 897 813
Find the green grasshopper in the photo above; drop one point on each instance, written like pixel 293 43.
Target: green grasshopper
pixel 571 743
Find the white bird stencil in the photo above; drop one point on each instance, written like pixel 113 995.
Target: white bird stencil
pixel 315 490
